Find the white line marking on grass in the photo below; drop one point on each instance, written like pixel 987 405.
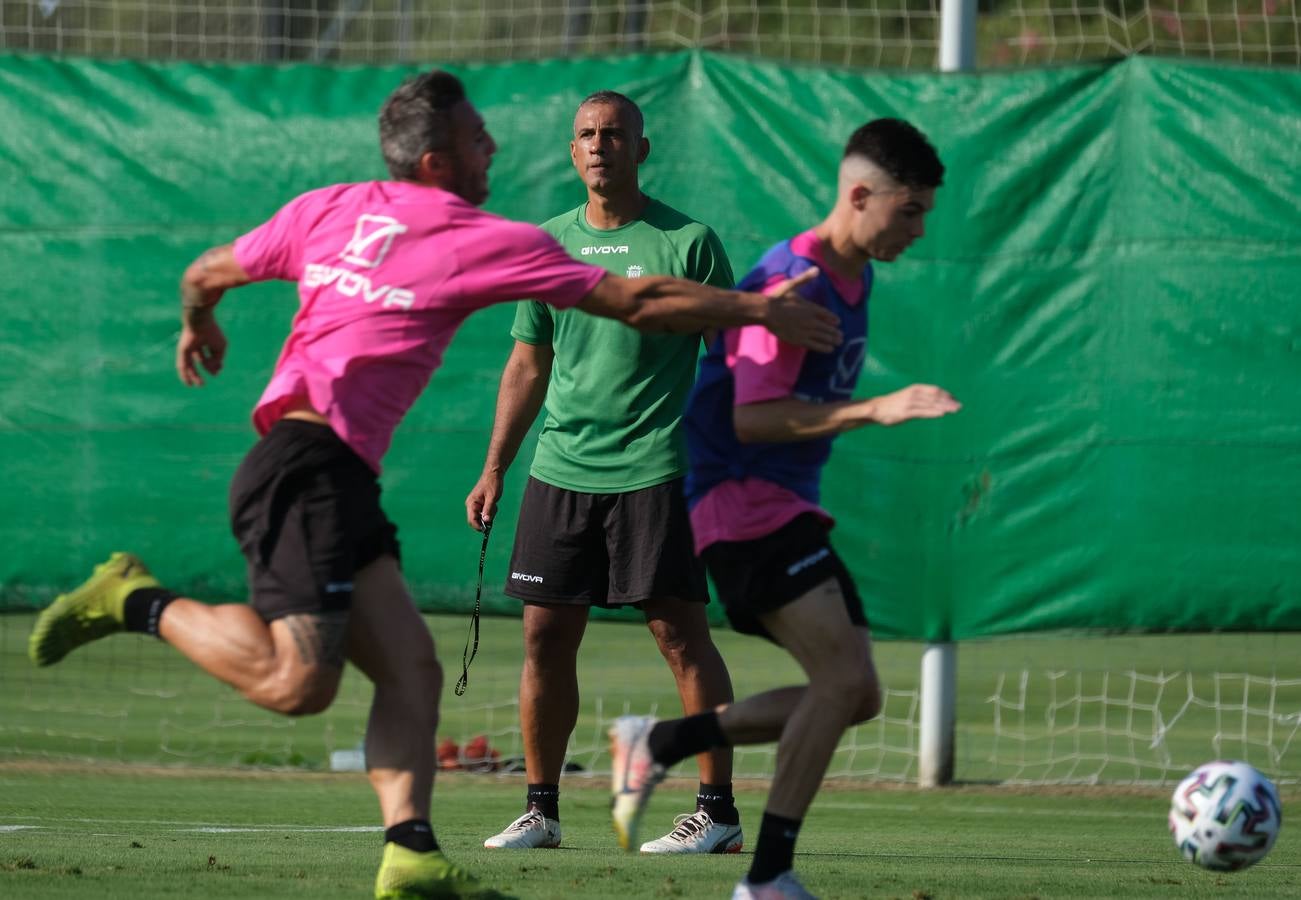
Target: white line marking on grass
pixel 962 809
pixel 305 829
pixel 206 827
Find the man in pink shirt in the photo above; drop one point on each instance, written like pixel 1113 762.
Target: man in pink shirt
pixel 386 272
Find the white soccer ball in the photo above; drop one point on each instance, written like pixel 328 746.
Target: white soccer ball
pixel 1225 816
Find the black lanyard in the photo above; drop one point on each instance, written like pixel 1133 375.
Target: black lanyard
pixel 468 654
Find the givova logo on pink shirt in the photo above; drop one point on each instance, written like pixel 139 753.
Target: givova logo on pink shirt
pixel 372 237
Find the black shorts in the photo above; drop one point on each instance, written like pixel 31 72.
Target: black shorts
pixel 305 510
pixel 759 576
pixel 604 549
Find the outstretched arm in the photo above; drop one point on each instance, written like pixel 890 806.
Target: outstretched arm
pixel 519 397
pixel 672 304
pixel 202 341
pixel 789 419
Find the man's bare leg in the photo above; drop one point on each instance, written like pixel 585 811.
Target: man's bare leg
pixel 681 630
pixel 292 665
pixel 389 641
pixel 843 689
pixel 548 703
pixel 548 693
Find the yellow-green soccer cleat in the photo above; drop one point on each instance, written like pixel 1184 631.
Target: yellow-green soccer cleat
pixel 407 875
pixel 89 612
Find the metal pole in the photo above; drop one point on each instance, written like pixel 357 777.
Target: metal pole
pixel 939 675
pixel 939 691
pixel 957 35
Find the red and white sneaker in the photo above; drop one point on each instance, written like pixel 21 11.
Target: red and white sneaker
pixel 635 775
pixel 697 832
pixel 784 887
pixel 531 831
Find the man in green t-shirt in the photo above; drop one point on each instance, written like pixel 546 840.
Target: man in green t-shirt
pixel 603 520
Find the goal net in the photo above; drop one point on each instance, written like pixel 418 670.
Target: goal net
pixel 885 33
pixel 1116 710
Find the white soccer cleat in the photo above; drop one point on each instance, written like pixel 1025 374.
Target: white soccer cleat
pixel 697 833
pixel 635 775
pixel 531 831
pixel 784 887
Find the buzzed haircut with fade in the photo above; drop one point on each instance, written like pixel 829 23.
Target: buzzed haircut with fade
pixel 417 119
pixel 614 98
pixel 900 150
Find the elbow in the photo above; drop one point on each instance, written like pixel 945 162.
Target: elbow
pixel 199 279
pixel 191 279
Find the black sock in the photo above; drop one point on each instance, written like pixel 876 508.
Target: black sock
pixel 717 800
pixel 774 852
pixel 144 607
pixel 414 834
pixel 673 741
pixel 546 799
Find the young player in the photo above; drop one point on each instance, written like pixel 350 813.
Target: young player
pixel 386 272
pixel 603 521
pixel 760 425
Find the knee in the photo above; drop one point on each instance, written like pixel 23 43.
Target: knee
pixel 682 648
pixel 552 643
pixel 674 647
pixel 853 692
pixel 421 684
pixel 869 701
pixel 428 675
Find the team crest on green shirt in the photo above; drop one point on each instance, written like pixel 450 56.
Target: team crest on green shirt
pixel 634 271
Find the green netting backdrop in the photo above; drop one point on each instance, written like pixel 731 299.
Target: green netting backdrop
pixel 1111 283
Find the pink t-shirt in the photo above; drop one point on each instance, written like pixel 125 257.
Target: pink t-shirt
pixel 386 273
pixel 763 368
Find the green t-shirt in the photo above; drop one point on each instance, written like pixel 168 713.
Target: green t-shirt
pixel 616 396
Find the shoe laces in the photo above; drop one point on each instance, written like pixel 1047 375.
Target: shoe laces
pixel 527 822
pixel 688 825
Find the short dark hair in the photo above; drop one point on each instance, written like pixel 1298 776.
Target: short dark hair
pixel 900 150
pixel 416 119
pixel 614 98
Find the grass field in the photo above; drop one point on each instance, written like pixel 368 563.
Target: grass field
pixel 74 832
pixel 125 773
pixel 1052 709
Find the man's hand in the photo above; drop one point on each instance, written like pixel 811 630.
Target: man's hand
pixel 917 401
pixel 202 343
pixel 481 504
pixel 797 321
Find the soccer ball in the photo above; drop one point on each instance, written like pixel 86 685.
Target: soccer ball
pixel 1225 816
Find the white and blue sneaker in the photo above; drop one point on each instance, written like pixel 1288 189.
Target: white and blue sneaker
pixel 697 832
pixel 531 831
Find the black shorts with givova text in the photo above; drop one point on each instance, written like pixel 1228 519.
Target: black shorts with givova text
pixel 765 574
pixel 305 510
pixel 604 549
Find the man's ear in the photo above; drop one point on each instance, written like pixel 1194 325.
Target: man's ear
pixel 643 150
pixel 434 167
pixel 858 195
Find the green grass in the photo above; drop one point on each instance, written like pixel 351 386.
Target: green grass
pixel 114 761
pixel 1117 709
pixel 133 833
